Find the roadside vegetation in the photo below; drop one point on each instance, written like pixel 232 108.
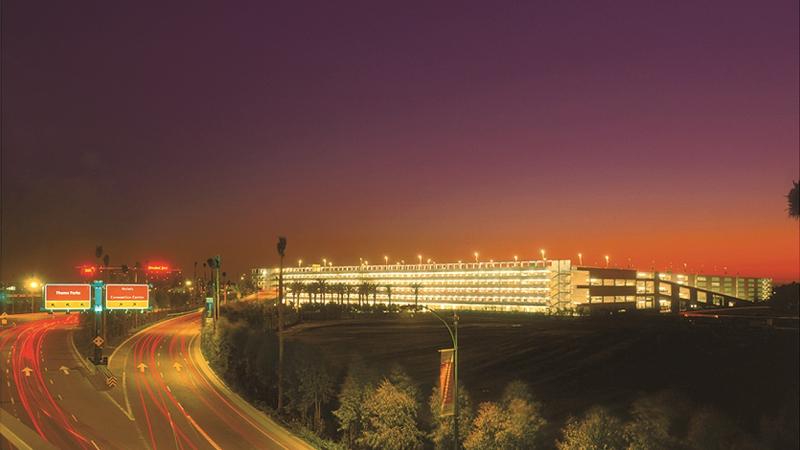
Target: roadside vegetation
pixel 372 403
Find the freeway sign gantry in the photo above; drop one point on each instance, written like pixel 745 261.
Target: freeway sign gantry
pixel 127 296
pixel 67 297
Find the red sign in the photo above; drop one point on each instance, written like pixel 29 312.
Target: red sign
pixel 446 381
pixel 127 296
pixel 157 268
pixel 67 296
pixel 88 271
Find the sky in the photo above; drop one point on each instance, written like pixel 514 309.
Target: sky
pixel 658 133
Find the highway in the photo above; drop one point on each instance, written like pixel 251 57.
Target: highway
pixel 165 396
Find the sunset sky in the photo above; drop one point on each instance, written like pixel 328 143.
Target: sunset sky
pixel 655 131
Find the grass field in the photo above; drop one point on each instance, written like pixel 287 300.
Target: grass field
pixel 572 364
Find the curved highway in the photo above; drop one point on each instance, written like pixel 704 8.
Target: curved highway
pixel 166 396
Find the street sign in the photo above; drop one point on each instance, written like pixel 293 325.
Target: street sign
pixel 98 341
pixel 3 320
pixel 127 296
pixel 65 297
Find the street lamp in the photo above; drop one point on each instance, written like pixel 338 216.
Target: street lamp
pixel 324 262
pixel 386 260
pixel 580 258
pixel 453 331
pixel 541 250
pixel 607 259
pixel 476 256
pixel 419 257
pixel 299 262
pixel 33 284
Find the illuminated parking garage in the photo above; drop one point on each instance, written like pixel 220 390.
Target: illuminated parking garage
pixel 544 286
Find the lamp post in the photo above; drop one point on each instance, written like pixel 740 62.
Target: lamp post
pixel 453 331
pixel 33 284
pixel 281 246
pixel 580 258
pixel 476 256
pixel 607 260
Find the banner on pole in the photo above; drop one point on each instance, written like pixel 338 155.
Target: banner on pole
pixel 446 382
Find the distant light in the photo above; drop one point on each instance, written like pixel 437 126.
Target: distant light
pixel 158 268
pixel 189 282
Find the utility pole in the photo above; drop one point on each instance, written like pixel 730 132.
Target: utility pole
pixel 279 302
pixel 456 445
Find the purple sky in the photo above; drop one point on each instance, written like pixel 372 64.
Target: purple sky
pixel 646 130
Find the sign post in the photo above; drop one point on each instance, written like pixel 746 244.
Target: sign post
pixel 97 287
pixel 67 297
pixel 127 296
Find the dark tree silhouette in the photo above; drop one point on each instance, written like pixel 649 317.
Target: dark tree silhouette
pixel 793 199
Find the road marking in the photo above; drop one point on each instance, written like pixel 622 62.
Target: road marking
pixel 74 418
pixel 169 390
pixel 12 399
pixel 203 433
pixel 127 413
pixel 59 397
pixel 50 380
pixel 95 445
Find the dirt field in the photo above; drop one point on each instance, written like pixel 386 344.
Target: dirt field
pixel 572 364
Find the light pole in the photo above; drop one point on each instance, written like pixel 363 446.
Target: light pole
pixel 476 256
pixel 607 259
pixel 580 259
pixel 386 260
pixel 33 284
pixel 281 246
pixel 453 331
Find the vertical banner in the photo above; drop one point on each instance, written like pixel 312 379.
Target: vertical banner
pixel 446 380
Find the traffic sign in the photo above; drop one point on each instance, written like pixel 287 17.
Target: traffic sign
pixel 3 320
pixel 127 296
pixel 64 297
pixel 98 341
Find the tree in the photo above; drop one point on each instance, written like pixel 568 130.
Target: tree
pixel 513 424
pixel 398 377
pixel 598 430
pixel 487 431
pixel 793 201
pixel 356 389
pixel 296 287
pixel 416 287
pixel 709 429
pixel 391 419
pixel 389 294
pixel 311 386
pixel 657 421
pixel 442 434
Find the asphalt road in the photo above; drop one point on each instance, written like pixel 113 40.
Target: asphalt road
pixel 165 395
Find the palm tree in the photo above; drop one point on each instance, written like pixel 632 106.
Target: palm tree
pixel 348 289
pixel 322 287
pixel 373 288
pixel 793 199
pixel 389 294
pixel 297 288
pixel 416 287
pixel 310 289
pixel 363 292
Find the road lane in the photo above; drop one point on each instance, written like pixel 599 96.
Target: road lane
pixel 54 394
pixel 179 403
